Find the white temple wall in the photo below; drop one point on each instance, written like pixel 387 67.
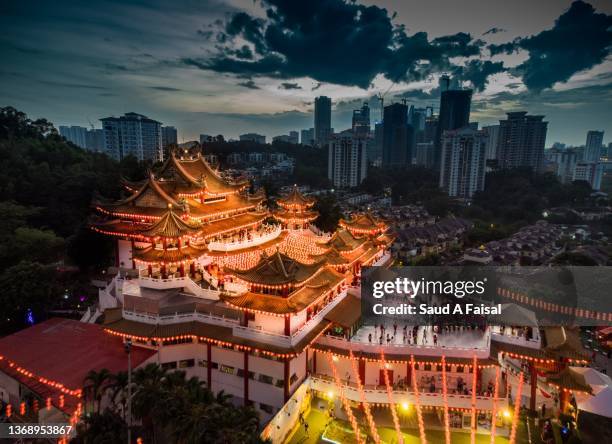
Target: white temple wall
pixel 124 253
pixel 272 324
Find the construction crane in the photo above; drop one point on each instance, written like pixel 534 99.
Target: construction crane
pixel 381 99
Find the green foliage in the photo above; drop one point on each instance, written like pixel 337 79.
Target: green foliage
pixel 25 286
pixel 170 407
pixel 329 212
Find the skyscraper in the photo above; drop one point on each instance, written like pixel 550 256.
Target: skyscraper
pixel 253 137
pixel 492 133
pixel 169 136
pixel 462 170
pixel 592 149
pixel 347 159
pixel 133 134
pixel 307 137
pixel 454 114
pixel 95 140
pixel 591 172
pixel 322 120
pixel 398 136
pixel 361 120
pixel 521 141
pixel 74 134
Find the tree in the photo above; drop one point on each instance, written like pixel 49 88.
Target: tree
pixel 101 428
pixel 96 383
pixel 329 212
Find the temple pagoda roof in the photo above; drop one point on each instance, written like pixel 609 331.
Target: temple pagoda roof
pixel 323 281
pixel 199 170
pixel 570 380
pixel 276 269
pixel 362 253
pixel 363 223
pixel 152 255
pixel 344 240
pixel 295 199
pixel 170 225
pixel 285 215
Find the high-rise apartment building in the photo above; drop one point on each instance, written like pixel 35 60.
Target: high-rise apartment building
pixel 424 154
pixel 322 120
pixel 521 141
pixel 253 137
pixel 361 120
pixel 347 159
pixel 133 135
pixel 592 148
pixel 169 136
pixel 398 136
pixel 563 162
pixel 74 134
pixel 462 169
pixel 591 172
pixel 454 114
pixel 95 140
pixel 492 133
pixel 307 137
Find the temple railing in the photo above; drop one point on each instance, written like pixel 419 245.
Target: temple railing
pixel 257 239
pixel 154 318
pixel 299 334
pixel 534 343
pixel 382 260
pixel 326 385
pixel 421 350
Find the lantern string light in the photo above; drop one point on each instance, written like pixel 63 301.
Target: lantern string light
pixel 447 434
pixel 364 402
pixel 474 388
pixel 400 436
pixel 345 402
pixel 494 412
pixel 517 408
pixel 415 388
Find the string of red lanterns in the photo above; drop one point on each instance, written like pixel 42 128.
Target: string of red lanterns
pixel 474 389
pixel 447 435
pixel 415 388
pixel 400 436
pixel 494 412
pixel 517 408
pixel 345 403
pixel 364 402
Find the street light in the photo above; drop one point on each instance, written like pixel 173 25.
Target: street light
pixel 128 350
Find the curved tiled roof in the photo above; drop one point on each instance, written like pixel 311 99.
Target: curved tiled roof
pixel 169 256
pixel 277 269
pixel 199 170
pixel 284 214
pixel 364 222
pixel 322 282
pixel 170 225
pixel 344 240
pixel 295 199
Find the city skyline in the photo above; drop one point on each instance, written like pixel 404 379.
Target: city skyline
pixel 194 73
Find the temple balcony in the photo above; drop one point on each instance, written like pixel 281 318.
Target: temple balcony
pixel 378 394
pixel 509 335
pixel 460 344
pixel 231 244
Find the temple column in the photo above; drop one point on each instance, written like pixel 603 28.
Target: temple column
pixel 408 374
pixel 132 249
pixel 314 362
pixel 163 271
pixel 287 385
pixel 287 325
pixel 209 366
pixel 362 371
pixel 182 269
pixel 534 384
pixel 192 269
pixel 150 270
pixel 246 378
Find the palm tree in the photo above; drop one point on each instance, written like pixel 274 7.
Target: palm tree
pixel 148 398
pixel 94 386
pixel 118 389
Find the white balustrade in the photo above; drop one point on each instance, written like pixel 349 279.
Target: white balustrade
pixel 153 318
pixel 534 343
pixel 379 395
pixel 314 321
pixel 255 240
pixel 421 350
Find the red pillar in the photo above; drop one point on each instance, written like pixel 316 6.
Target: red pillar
pixel 362 371
pixel 314 361
pixel 209 365
pixel 306 361
pixel 246 378
pixel 287 325
pixel 182 270
pixel 534 385
pixel 287 386
pixel 408 373
pixel 133 261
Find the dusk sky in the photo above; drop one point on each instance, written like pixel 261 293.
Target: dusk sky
pixel 236 66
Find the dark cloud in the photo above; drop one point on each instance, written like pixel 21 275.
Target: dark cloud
pixel 477 72
pixel 494 31
pixel 165 88
pixel 287 85
pixel 580 39
pixel 249 84
pixel 72 85
pixel 327 40
pixel 114 67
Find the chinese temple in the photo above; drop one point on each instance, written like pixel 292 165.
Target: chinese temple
pixel 264 306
